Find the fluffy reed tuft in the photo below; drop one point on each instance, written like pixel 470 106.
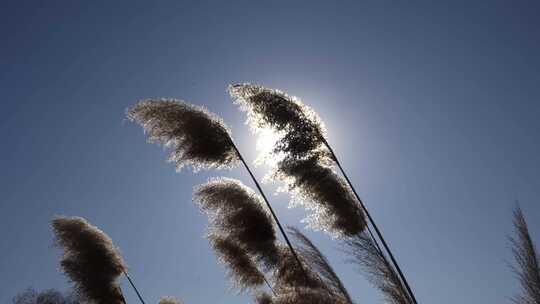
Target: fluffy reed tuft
pixel 90 260
pixel 365 253
pixel 288 274
pixel 304 163
pixel 300 295
pixel 238 212
pixel 198 138
pixel 50 296
pixel 241 268
pixel 301 128
pixel 324 193
pixel 527 260
pixel 318 263
pixel 263 298
pixel 169 300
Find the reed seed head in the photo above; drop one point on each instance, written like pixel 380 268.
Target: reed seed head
pixel 364 252
pixel 324 193
pixel 241 268
pixel 50 296
pixel 90 260
pixel 302 295
pixel 301 128
pixel 238 212
pixel 169 300
pixel 198 138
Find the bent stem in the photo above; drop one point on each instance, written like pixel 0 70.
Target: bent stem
pixel 289 244
pixel 134 288
pixel 379 234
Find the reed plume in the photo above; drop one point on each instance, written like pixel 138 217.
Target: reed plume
pixel 300 127
pixel 304 165
pixel 240 213
pixel 319 264
pixel 263 298
pixel 241 268
pixel 288 274
pixel 169 300
pixel 295 285
pixel 299 295
pixel 527 260
pixel 50 296
pixel 198 138
pixel 90 260
pixel 323 193
pixel 243 236
pixel 379 272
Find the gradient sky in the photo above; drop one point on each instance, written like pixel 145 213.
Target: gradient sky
pixel 433 108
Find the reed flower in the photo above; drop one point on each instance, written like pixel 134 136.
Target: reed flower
pixel 302 295
pixel 288 274
pixel 241 268
pixel 301 128
pixel 365 254
pixel 50 296
pixel 263 298
pixel 304 162
pixel 332 205
pixel 238 212
pixel 527 260
pixel 169 300
pixel 319 263
pixel 198 138
pixel 90 260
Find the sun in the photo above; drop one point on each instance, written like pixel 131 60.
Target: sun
pixel 266 140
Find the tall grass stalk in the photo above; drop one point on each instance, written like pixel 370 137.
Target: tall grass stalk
pixel 372 222
pixel 272 212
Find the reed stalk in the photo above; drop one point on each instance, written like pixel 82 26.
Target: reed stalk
pixel 272 212
pixel 134 287
pixel 371 221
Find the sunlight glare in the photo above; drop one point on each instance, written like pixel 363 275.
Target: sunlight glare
pixel 266 139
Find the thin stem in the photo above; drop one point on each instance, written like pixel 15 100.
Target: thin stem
pixel 135 288
pixel 271 210
pixel 269 286
pixel 122 295
pixel 379 234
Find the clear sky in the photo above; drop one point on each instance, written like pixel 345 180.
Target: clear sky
pixel 433 108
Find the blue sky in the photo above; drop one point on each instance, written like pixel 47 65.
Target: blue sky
pixel 432 106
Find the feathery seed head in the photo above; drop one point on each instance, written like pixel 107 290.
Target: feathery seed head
pixel 302 295
pixel 322 191
pixel 527 268
pixel 301 129
pixel 241 268
pixel 90 259
pixel 198 138
pixel 50 296
pixel 263 298
pixel 318 263
pixel 169 300
pixel 288 274
pixel 364 252
pixel 304 164
pixel 239 212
